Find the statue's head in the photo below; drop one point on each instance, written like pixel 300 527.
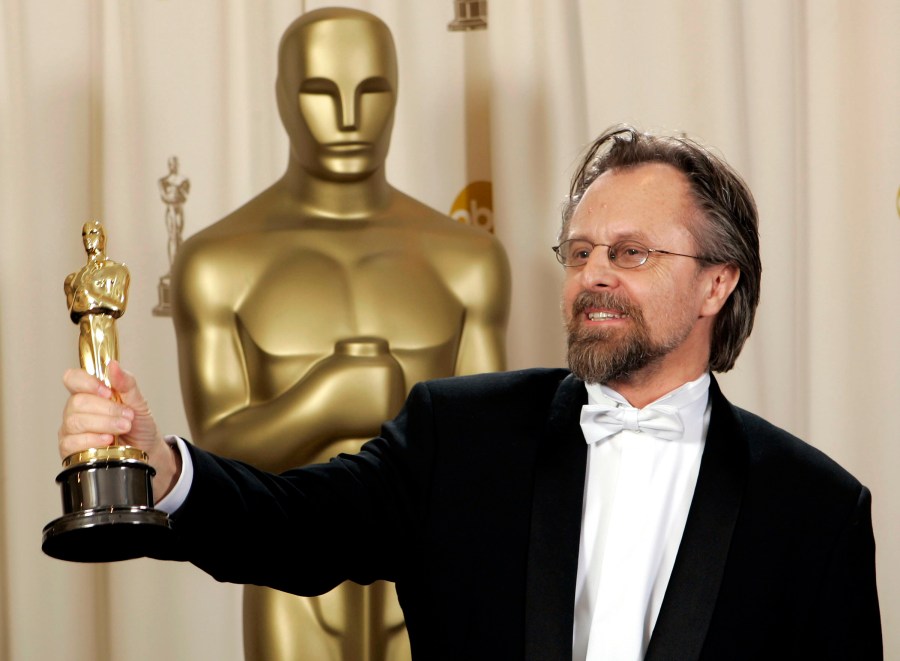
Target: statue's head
pixel 94 237
pixel 173 165
pixel 337 90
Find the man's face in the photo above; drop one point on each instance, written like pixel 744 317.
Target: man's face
pixel 339 86
pixel 627 323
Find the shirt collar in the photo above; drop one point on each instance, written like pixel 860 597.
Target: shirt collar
pixel 681 397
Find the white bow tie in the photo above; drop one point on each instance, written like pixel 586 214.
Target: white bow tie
pixel 604 420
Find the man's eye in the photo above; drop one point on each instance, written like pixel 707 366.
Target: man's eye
pixel 583 253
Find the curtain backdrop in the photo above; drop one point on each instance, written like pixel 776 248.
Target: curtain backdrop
pixel 803 98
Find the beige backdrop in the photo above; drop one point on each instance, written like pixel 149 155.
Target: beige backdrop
pixel 95 95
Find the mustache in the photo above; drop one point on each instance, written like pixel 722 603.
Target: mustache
pixel 604 299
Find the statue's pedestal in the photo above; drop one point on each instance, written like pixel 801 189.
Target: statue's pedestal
pixel 108 510
pixel 164 309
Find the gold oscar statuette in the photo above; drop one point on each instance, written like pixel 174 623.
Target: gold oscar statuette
pixel 107 497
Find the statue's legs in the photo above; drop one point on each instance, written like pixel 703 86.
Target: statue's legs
pixel 350 623
pixel 98 344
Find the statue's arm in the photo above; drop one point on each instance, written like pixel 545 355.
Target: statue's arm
pixel 121 281
pixel 110 288
pixel 486 297
pixel 69 288
pixel 342 396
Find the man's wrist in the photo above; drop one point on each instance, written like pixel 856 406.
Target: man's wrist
pixel 180 484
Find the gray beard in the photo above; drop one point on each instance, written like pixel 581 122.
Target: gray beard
pixel 597 355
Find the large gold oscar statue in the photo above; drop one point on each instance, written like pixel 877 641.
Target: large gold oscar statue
pixel 304 317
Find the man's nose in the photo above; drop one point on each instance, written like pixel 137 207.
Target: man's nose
pixel 599 272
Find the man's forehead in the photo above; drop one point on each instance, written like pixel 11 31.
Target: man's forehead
pixel 642 203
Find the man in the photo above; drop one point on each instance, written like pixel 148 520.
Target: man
pixel 685 528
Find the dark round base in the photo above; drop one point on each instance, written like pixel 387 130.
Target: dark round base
pixel 107 535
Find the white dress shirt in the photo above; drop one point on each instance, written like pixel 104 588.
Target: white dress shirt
pixel 638 489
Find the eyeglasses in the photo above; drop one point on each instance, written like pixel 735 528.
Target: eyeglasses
pixel 624 254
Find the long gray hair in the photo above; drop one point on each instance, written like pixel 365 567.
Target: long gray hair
pixel 728 234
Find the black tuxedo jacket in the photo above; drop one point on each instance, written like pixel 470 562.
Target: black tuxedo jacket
pixel 471 500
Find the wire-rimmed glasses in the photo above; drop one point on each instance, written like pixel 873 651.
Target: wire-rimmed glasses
pixel 626 254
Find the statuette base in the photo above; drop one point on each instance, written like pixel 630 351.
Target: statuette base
pixel 108 510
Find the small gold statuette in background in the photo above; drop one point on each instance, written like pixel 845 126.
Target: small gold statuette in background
pixel 106 492
pixel 173 190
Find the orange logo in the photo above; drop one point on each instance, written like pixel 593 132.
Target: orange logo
pixel 475 206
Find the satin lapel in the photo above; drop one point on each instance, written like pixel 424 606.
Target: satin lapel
pixel 690 597
pixel 556 527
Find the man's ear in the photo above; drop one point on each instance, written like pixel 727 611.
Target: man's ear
pixel 721 279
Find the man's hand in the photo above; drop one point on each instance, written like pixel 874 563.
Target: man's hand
pixel 92 419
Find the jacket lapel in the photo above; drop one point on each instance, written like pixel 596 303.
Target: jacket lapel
pixel 690 597
pixel 556 527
